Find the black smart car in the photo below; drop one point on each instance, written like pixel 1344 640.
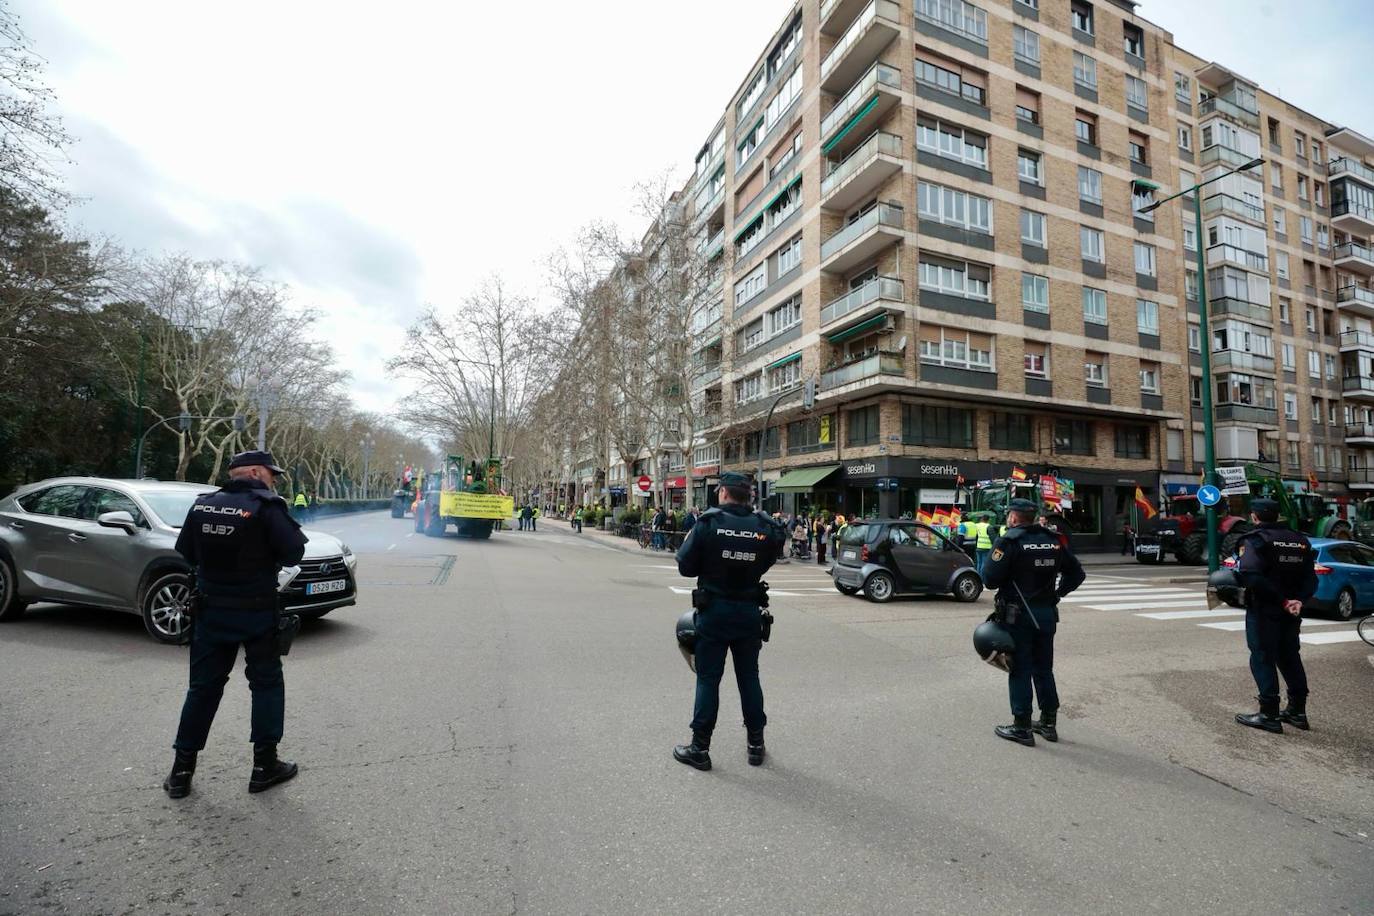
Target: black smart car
pixel 900 557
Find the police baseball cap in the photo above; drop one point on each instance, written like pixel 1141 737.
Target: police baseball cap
pixel 735 479
pixel 1266 510
pixel 255 458
pixel 1022 505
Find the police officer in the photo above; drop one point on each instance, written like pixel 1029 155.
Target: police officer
pixel 1032 568
pixel 1277 567
pixel 728 551
pixel 236 539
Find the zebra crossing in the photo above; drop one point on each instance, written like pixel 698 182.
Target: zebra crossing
pixel 1187 603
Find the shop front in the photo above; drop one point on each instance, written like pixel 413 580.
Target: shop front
pixel 705 483
pixel 677 492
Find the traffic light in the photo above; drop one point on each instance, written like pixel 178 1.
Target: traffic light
pixel 809 393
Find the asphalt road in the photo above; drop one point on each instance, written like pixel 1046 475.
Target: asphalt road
pixel 488 731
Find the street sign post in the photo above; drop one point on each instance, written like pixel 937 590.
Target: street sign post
pixel 645 483
pixel 1208 495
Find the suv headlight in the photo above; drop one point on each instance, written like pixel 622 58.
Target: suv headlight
pixel 349 559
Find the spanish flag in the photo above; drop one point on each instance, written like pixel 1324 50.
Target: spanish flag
pixel 1018 474
pixel 923 517
pixel 1143 504
pixel 1312 481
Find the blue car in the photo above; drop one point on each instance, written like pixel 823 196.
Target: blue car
pixel 1345 578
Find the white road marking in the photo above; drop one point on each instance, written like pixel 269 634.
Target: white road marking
pixel 392 547
pixel 411 535
pixel 1320 639
pixel 1173 595
pixel 1147 605
pixel 1238 625
pixel 1189 615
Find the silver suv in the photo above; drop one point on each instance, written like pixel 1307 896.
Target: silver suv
pixel 110 544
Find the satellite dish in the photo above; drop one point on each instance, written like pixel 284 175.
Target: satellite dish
pixel 901 344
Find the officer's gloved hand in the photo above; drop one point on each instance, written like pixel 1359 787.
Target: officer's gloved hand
pixel 1000 660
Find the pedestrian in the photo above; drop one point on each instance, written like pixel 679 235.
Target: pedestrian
pixel 1277 567
pixel 689 521
pixel 534 518
pixel 236 540
pixel 656 525
pixel 799 537
pixel 301 505
pixel 577 519
pixel 822 532
pixel 1127 539
pixel 982 539
pixel 1032 568
pixel 728 552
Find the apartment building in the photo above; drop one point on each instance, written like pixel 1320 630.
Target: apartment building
pixel 934 207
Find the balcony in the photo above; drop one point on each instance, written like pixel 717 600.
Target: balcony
pixel 1240 308
pixel 706 376
pixel 876 365
pixel 1356 299
pixel 836 15
pixel 1230 254
pixel 1352 167
pixel 879 296
pixel 879 228
pixel 1225 203
pixel 1360 478
pixel 859 46
pixel 1224 155
pixel 861 110
pixel 1241 361
pixel 1354 257
pixel 1245 413
pixel 1230 111
pixel 710 207
pixel 861 173
pixel 1352 218
pixel 710 246
pixel 1358 387
pixel 1359 434
pixel 1357 340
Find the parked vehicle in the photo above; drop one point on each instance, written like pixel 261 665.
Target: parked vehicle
pixel 110 544
pixel 1345 578
pixel 887 558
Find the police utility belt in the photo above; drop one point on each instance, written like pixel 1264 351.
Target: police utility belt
pixel 287 625
pixel 702 598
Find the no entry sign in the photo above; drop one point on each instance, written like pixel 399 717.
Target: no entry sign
pixel 645 483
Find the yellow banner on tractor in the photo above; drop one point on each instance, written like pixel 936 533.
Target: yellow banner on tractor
pixel 476 505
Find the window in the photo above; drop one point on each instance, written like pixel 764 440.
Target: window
pixel 1073 437
pixel 789 42
pixel 1091 245
pixel 1025 44
pixel 750 336
pixel 968 84
pixel 1190 283
pixel 957 278
pixel 924 424
pixel 1183 87
pixel 1316 411
pixel 751 285
pixel 751 236
pixel 1290 357
pixel 1241 388
pixel 1194 338
pixel 63 501
pixel 1085 128
pixel 1291 448
pixel 1319 193
pixel 1094 305
pixel 1173 444
pixel 1280 221
pixel 1138 147
pixel 1010 431
pixel 779 319
pixel 1144 259
pixel 786 204
pixel 1189 234
pixel 807 435
pixel 1149 378
pixel 1314 363
pixel 1195 395
pixel 1276 176
pixel 753 93
pixel 1037 359
pixel 749 388
pixel 1147 316
pixel 1286 311
pixel 1311 319
pixel 958 348
pixel 1302 187
pixel 957 16
pixel 1319 455
pixel 1084 70
pixel 1281 264
pixel 1133 39
pixel 954 207
pixel 1082 16
pixel 781 378
pixel 1329 363
pixel 1290 406
pixel 1033 228
pixel 1185 139
pixel 748 146
pixel 1305 228
pixel 1132 441
pixel 862 425
pixel 1027 105
pixel 1187 179
pixel 1274 131
pixel 781 103
pixel 1323 237
pixel 952 142
pixel 1089 184
pixel 1299 144
pixel 1035 293
pixel 789 256
pixel 1136 93
pixel 1028 166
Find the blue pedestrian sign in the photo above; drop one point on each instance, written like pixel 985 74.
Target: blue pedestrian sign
pixel 1208 495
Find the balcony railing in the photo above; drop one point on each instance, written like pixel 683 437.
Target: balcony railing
pixel 706 376
pixel 889 288
pixel 1350 208
pixel 890 215
pixel 1351 340
pixel 1355 294
pixel 1219 153
pixel 1247 414
pixel 1253 260
pixel 712 243
pixel 1358 384
pixel 1229 109
pixel 1344 166
pixel 1229 305
pixel 878 142
pixel 877 9
pixel 711 202
pixel 859 94
pixel 1242 361
pixel 1359 476
pixel 1354 250
pixel 875 365
pixel 1227 204
pixel 1359 430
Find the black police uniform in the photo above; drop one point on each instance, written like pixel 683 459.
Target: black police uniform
pixel 1032 567
pixel 237 539
pixel 728 550
pixel 1275 564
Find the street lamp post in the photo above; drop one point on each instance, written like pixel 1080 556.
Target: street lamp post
pixel 1209 452
pixel 184 422
pixel 366 446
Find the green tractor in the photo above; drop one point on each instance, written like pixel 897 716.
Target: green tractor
pixel 466 496
pixel 1309 513
pixel 993 496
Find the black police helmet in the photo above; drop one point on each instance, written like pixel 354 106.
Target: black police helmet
pixel 991 637
pixel 686 631
pixel 1224 587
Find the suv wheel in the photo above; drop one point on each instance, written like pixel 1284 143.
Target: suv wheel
pixel 1345 604
pixel 879 587
pixel 11 608
pixel 164 606
pixel 968 587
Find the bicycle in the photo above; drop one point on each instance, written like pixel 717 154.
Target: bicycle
pixel 1366 629
pixel 645 536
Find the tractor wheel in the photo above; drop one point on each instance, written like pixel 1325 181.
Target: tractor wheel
pixel 435 526
pixel 1192 550
pixel 1228 543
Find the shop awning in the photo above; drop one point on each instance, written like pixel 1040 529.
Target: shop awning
pixel 803 480
pixel 784 361
pixel 860 328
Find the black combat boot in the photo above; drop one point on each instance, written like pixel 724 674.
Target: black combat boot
pixel 178 782
pixel 1296 713
pixel 1019 731
pixel 1267 718
pixel 268 771
pixel 756 750
pixel 1045 727
pixel 695 754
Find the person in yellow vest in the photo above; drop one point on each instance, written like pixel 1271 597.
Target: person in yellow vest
pixel 302 504
pixel 534 519
pixel 982 533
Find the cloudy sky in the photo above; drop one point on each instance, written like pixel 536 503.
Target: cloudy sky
pixel 378 157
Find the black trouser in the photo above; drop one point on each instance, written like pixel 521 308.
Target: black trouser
pixel 1032 664
pixel 214 647
pixel 728 626
pixel 1273 638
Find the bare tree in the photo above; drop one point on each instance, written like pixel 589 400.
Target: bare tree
pixel 32 139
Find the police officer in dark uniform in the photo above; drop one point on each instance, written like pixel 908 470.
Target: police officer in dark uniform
pixel 1032 567
pixel 236 539
pixel 728 551
pixel 1277 567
